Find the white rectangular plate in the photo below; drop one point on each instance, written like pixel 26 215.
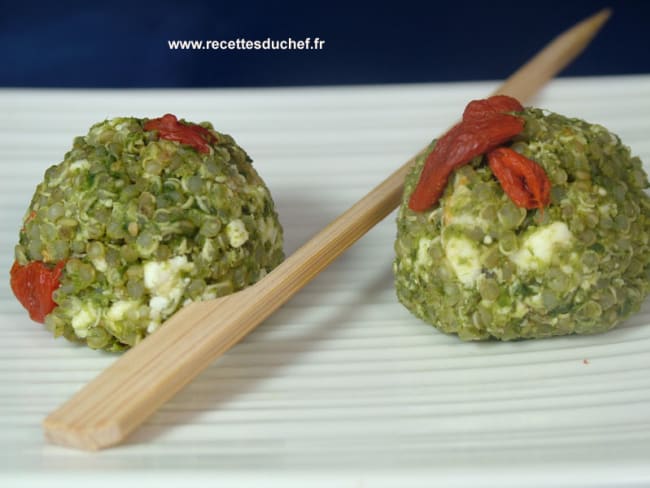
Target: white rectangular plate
pixel 342 386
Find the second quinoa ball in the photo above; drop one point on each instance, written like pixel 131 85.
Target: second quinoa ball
pixel 481 267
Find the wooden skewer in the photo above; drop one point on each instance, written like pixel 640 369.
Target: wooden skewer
pixel 115 403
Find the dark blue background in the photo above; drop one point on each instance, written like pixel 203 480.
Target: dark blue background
pixel 124 44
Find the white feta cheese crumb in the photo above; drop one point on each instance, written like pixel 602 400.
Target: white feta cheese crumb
pixel 463 255
pixel 423 258
pixel 85 317
pixel 166 283
pixel 158 304
pixel 537 248
pixel 119 309
pixel 153 326
pixel 237 233
pixel 161 277
pixel 80 164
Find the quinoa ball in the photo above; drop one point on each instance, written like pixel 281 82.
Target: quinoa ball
pixel 478 266
pixel 146 225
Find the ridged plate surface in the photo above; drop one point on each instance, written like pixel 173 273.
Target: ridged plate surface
pixel 341 387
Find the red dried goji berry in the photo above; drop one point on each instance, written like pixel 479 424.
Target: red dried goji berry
pixel 465 141
pixel 170 128
pixel 495 104
pixel 485 126
pixel 523 180
pixel 33 285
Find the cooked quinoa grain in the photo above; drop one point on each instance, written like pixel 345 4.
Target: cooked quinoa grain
pixel 478 266
pixel 146 225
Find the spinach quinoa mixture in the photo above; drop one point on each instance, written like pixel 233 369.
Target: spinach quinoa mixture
pixel 478 265
pixel 142 217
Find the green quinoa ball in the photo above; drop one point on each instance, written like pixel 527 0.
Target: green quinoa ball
pixel 478 266
pixel 146 225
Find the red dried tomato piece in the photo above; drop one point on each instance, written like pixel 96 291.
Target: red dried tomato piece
pixel 170 128
pixel 33 285
pixel 523 180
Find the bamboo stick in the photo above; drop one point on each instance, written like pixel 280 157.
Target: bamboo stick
pixel 115 403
